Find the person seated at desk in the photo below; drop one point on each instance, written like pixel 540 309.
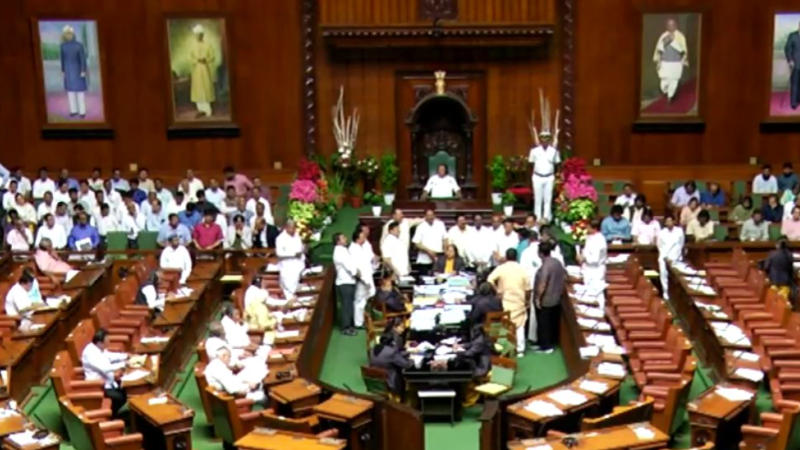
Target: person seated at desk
pixel 484 301
pixel 714 196
pixel 83 236
pixel 773 211
pixel 236 332
pixel 147 294
pixel 100 364
pixel 791 226
pixel 701 228
pixel 53 231
pixel 689 212
pixel 645 232
pixel 388 356
pixel 239 236
pixel 506 238
pixel 742 211
pixel 176 257
pixel 390 297
pixel 615 227
pixel 683 194
pixel 449 262
pixel 765 182
pixel 478 355
pixel 256 311
pixel 215 340
pixel 207 235
pixel 48 261
pixel 755 228
pixel 24 295
pixel 19 237
pixel 220 376
pixel 441 185
pixel 174 227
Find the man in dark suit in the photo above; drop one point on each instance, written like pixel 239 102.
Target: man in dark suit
pixel 386 355
pixel 484 301
pixel 792 51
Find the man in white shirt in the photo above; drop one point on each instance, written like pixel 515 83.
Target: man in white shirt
pixel 175 256
pixel 238 235
pixel 441 185
pixel 361 252
pixel 112 196
pixel 26 211
pixel 62 193
pixel 531 261
pixel 132 223
pixel 682 195
pixel 264 210
pixel 51 230
pixel 86 196
pixel 118 182
pixel 670 249
pixel 404 225
pixel 429 239
pixel 214 194
pixel 106 222
pixel 19 237
pixel 193 184
pixel 101 364
pixel 482 247
pixel 63 218
pixel 23 182
pixel 462 235
pixel 645 231
pixel 593 256
pixel 346 279
pixel 47 206
pixel 393 251
pixel 95 181
pixel 507 238
pixel 291 258
pixel 545 158
pixel 765 182
pixel 162 193
pixel 156 217
pixel 627 197
pixel 220 377
pixel 10 194
pixel 177 203
pixel 18 300
pixel 43 184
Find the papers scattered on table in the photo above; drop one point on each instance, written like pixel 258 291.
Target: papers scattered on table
pixel 730 333
pixel 406 279
pixel 733 394
pixel 417 359
pixel 595 387
pixel 706 290
pixel 643 432
pixel 568 397
pixel 651 273
pixel 135 375
pixel 590 351
pixel 619 258
pixel 5 413
pixel 600 340
pixel 745 356
pixel 184 292
pixel 287 334
pixel 543 408
pixel 273 301
pixel 593 324
pixel 154 339
pixel 305 288
pixel 26 439
pixel 614 349
pixel 452 340
pixel 55 302
pixel 749 374
pixel 613 370
pixel 684 268
pixel 160 400
pixel 588 311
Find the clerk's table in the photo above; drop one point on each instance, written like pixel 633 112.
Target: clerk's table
pixel 298 396
pixel 351 415
pixel 165 423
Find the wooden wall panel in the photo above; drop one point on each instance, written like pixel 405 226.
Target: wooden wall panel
pixel 737 70
pixel 265 43
pixel 406 12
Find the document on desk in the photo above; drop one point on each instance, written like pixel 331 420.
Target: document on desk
pixel 749 374
pixel 600 339
pixel 135 375
pixel 730 334
pixel 613 370
pixel 568 397
pixel 746 356
pixel 595 387
pixel 544 409
pixel 55 302
pixel 733 394
pixel 588 311
pixel 618 258
pixel 642 432
pixel 287 334
pixel 154 339
pixel 539 447
pixel 25 439
pixel 590 351
pixel 593 324
pixel 424 319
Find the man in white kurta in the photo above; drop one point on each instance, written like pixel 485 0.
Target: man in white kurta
pixel 404 225
pixel 670 249
pixel 394 252
pixel 362 255
pixel 429 239
pixel 544 158
pixel 291 258
pixel 101 364
pixel 18 298
pixel 462 236
pixel 441 185
pixel 593 257
pixel 765 182
pixel 671 56
pixel 220 377
pixel 176 257
pixel 51 230
pixel 482 247
pixel 506 238
pixel 531 261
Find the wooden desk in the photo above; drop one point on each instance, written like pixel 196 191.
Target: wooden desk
pixel 268 439
pixel 716 419
pixel 50 442
pixel 296 397
pixel 12 423
pixel 166 426
pixel 525 423
pixel 352 416
pixel 614 438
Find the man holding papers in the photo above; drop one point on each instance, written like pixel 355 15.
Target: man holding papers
pixel 670 250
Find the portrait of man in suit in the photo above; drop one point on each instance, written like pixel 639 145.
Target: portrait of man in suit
pixel 785 98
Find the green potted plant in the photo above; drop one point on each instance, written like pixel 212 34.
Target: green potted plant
pixel 508 199
pixel 388 177
pixel 336 187
pixel 356 195
pixel 499 174
pixel 375 200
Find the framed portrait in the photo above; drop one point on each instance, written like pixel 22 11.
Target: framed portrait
pixel 69 67
pixel 784 100
pixel 199 73
pixel 670 67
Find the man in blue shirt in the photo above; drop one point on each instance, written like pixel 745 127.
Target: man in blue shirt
pixel 174 227
pixel 788 179
pixel 117 182
pixel 64 177
pixel 713 196
pixel 82 230
pixel 137 195
pixel 190 217
pixel 616 227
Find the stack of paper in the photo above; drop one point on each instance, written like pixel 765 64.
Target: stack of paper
pixel 567 397
pixel 543 408
pixel 601 340
pixel 590 351
pixel 25 439
pixel 273 268
pixel 643 432
pixel 287 334
pixel 749 374
pixel 135 375
pixel 611 369
pixel 614 349
pixel 595 387
pixel 730 333
pixel 153 339
pixel 55 302
pixel 745 356
pixel 589 311
pixel 593 324
pixel 314 270
pixel 733 394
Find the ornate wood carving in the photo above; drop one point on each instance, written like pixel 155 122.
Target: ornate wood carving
pixel 309 25
pixel 497 31
pixel 567 137
pixel 438 9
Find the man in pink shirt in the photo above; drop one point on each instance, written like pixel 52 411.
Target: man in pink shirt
pixel 207 235
pixel 48 261
pixel 791 225
pixel 239 181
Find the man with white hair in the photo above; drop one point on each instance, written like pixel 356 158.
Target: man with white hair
pixel 201 55
pixel 671 56
pixel 74 70
pixel 291 258
pixel 220 377
pixel 176 257
pixel 53 232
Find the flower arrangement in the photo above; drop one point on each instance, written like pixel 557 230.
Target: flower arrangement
pixel 368 166
pixel 311 205
pixel 304 191
pixel 576 199
pixel 308 170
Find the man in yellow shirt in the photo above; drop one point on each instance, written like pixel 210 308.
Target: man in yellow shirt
pixel 513 284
